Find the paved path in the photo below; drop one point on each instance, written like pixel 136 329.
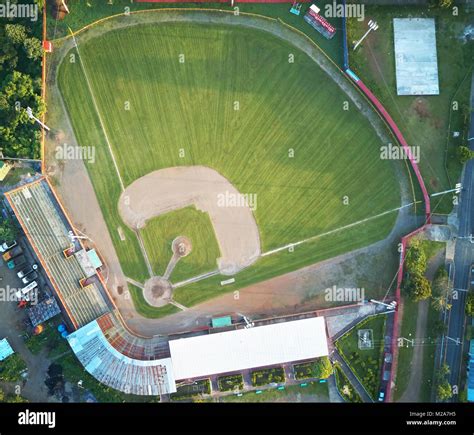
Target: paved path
pixel 334 396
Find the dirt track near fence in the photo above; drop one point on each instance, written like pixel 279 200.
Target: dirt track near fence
pixel 282 294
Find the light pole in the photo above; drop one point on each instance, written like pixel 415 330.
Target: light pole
pixel 29 111
pixel 372 26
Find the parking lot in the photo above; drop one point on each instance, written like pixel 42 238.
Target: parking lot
pixel 16 327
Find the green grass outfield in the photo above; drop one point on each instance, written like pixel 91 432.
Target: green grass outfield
pixel 191 106
pixel 160 232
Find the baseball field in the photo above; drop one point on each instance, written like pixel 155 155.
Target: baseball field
pixel 247 105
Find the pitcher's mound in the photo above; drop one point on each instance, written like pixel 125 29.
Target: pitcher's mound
pixel 181 246
pixel 157 291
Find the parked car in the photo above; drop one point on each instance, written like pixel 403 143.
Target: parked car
pixel 30 277
pixel 381 396
pixel 12 253
pixel 25 271
pixel 4 247
pixel 16 262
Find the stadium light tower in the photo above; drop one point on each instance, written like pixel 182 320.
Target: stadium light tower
pixel 29 111
pixel 372 26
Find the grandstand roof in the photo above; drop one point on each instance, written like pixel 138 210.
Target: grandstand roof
pixel 119 371
pixel 242 349
pixel 49 232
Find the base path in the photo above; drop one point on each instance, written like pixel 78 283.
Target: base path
pixel 170 189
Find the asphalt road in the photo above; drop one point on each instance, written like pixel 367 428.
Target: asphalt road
pixel 463 258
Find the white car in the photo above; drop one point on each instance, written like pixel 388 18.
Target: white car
pixel 4 247
pixel 22 273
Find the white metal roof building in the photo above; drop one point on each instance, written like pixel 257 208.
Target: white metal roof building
pixel 242 349
pixel 415 56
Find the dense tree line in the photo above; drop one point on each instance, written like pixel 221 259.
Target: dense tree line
pixel 416 284
pixel 20 85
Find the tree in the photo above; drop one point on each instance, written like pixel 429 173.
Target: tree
pixel 444 391
pixel 8 231
pixel 18 136
pixel 445 4
pixel 33 48
pixel 439 328
pixel 16 33
pixel 464 154
pixel 441 282
pixel 442 372
pixel 470 305
pixel 322 368
pixel 440 303
pixel 419 288
pixel 415 260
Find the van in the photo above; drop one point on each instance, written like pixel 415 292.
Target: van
pixel 22 294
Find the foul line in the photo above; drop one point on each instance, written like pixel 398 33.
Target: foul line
pixel 282 248
pixel 97 111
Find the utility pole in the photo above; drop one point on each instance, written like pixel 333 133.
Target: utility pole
pixel 29 111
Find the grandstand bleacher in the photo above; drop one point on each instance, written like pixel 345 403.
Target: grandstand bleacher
pixel 50 234
pixel 118 370
pixel 319 23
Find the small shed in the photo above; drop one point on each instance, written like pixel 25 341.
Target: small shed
pixel 4 169
pixel 5 349
pixel 220 322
